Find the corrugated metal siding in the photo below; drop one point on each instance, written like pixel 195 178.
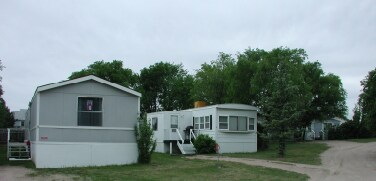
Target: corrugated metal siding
pixel 87 135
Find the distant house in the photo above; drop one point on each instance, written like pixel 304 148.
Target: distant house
pixel 19 118
pixel 318 129
pixel 83 122
pixel 232 126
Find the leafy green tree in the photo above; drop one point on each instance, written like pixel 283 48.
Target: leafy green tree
pixel 145 142
pixel 244 88
pixel 165 87
pixel 367 101
pixel 328 94
pixel 6 117
pixel 111 71
pixel 213 81
pixel 286 96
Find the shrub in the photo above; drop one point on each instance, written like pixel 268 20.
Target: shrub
pixel 145 142
pixel 348 130
pixel 204 144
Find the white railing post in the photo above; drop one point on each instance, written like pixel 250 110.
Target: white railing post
pixel 8 143
pixel 181 138
pixel 323 135
pixel 191 133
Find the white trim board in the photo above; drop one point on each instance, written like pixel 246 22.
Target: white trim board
pixel 82 79
pixel 85 127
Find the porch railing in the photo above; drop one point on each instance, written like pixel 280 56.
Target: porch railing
pixel 191 135
pixel 180 137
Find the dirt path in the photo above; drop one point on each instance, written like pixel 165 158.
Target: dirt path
pixel 343 161
pixel 14 173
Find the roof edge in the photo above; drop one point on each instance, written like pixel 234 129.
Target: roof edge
pixel 86 78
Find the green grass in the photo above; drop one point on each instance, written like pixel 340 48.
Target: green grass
pixel 166 167
pixel 363 140
pixel 300 152
pixel 5 161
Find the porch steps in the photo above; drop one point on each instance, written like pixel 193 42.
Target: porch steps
pixel 187 148
pixel 18 151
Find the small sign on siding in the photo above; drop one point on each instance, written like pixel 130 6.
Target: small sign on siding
pixel 44 138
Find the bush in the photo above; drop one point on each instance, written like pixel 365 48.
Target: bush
pixel 348 130
pixel 204 144
pixel 145 142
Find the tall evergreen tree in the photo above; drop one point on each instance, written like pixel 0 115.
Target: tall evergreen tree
pixel 367 101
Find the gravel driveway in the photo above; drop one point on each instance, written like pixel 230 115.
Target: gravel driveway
pixel 343 161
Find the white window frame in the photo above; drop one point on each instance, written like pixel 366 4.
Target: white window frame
pixel 196 122
pixel 228 125
pixel 177 125
pixel 152 123
pixel 249 123
pixel 102 111
pixel 207 121
pixel 202 122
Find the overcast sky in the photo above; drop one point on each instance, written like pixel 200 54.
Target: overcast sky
pixel 45 41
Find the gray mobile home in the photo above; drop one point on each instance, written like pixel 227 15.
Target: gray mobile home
pixel 83 122
pixel 19 118
pixel 232 126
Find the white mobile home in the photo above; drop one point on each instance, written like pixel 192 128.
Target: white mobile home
pixel 318 129
pixel 232 126
pixel 83 122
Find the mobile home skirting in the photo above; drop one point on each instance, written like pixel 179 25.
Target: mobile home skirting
pixel 73 154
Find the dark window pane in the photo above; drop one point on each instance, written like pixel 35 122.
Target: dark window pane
pixel 90 119
pixel 223 122
pixel 251 124
pixel 155 124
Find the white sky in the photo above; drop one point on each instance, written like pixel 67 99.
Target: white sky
pixel 45 41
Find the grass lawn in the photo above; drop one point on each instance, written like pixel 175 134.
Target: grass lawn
pixel 363 140
pixel 166 167
pixel 300 152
